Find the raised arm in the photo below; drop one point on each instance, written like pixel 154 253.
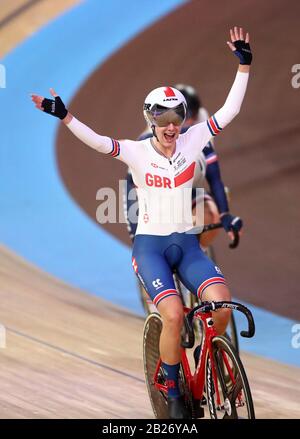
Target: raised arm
pixel 201 133
pixel 57 108
pixel 241 49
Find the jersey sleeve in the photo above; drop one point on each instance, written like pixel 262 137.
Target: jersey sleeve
pixel 213 177
pixel 214 125
pixel 210 154
pixel 123 150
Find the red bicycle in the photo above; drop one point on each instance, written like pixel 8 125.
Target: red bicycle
pixel 219 381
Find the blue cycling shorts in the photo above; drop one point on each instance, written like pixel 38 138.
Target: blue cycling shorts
pixel 155 258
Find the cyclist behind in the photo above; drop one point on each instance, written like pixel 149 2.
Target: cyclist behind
pixel 161 245
pixel 215 206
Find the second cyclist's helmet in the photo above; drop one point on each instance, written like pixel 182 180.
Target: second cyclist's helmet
pixel 165 105
pixel 192 99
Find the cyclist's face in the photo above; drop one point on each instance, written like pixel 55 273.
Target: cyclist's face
pixel 168 135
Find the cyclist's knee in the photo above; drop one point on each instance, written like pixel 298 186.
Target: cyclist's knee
pixel 216 292
pixel 219 292
pixel 173 318
pixel 171 311
pixel 224 314
pixel 221 319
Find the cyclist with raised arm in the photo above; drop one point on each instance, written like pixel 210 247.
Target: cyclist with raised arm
pixel 215 204
pixel 163 170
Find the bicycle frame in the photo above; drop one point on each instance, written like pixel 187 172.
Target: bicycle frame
pixel 196 380
pixel 219 371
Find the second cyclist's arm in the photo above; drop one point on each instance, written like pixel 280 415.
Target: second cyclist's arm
pixel 216 186
pixel 213 177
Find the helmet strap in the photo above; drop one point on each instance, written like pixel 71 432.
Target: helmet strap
pixel 154 133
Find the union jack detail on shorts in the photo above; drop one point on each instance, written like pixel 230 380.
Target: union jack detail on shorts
pixel 134 264
pixel 115 148
pixel 207 283
pixel 163 295
pixel 213 126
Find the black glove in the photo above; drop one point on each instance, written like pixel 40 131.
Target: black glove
pixel 230 222
pixel 55 107
pixel 243 52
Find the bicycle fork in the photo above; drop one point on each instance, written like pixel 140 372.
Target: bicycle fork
pixel 198 380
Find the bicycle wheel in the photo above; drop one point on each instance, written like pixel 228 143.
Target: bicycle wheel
pixel 158 399
pixel 234 391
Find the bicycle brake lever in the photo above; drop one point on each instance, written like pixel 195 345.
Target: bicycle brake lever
pixel 235 242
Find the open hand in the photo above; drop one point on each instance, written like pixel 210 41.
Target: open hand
pixel 240 45
pixel 55 106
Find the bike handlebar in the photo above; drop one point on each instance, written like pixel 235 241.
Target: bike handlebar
pixel 234 243
pixel 207 307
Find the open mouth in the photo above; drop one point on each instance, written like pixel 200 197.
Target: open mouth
pixel 169 137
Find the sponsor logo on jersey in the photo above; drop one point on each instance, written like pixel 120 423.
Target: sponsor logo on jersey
pixel 157 181
pixel 180 163
pixel 154 165
pixel 146 218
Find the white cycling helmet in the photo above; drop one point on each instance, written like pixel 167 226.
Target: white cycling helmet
pixel 165 105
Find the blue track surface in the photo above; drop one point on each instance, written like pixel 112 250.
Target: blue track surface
pixel 38 218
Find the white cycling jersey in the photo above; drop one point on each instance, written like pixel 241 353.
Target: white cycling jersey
pixel 200 167
pixel 164 184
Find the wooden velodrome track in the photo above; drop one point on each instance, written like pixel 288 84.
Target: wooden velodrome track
pixel 71 355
